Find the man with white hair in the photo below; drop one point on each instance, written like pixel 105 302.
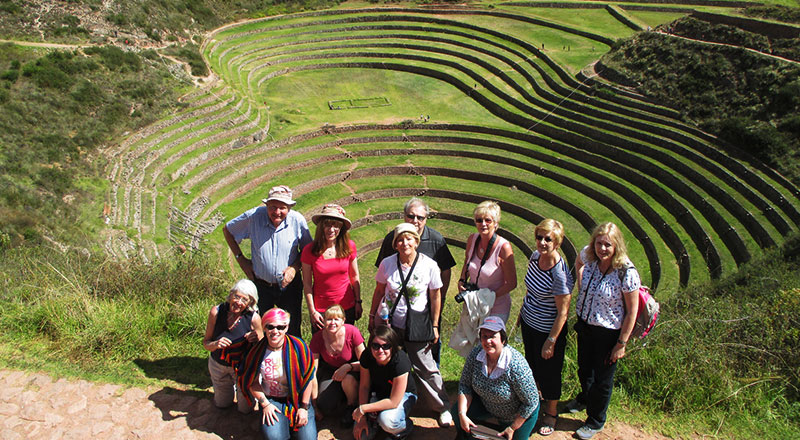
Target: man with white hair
pixel 277 236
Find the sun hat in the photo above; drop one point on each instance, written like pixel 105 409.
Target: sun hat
pixel 333 211
pixel 281 193
pixel 403 228
pixel 493 323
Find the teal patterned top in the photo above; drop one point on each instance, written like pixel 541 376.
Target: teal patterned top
pixel 511 394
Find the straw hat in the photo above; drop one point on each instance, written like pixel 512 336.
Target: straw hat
pixel 333 211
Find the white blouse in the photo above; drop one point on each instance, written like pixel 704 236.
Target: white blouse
pixel 600 300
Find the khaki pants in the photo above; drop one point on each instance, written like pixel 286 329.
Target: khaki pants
pixel 223 378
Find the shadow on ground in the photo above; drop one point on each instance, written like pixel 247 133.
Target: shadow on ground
pixel 186 370
pixel 200 414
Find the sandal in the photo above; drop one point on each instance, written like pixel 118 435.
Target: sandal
pixel 548 426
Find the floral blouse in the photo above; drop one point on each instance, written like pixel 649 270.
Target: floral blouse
pixel 600 301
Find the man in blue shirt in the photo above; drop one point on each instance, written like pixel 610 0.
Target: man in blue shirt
pixel 277 235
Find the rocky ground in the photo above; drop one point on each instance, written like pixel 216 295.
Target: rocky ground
pixel 36 406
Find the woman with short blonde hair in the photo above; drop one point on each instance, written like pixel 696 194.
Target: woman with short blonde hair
pixel 496 272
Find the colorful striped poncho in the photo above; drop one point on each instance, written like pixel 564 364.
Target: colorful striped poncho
pixel 299 368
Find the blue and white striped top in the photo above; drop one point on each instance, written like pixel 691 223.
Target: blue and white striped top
pixel 539 306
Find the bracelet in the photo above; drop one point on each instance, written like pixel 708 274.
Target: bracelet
pixel 435 326
pixel 551 339
pixel 358 301
pixel 238 255
pixel 621 342
pixel 304 405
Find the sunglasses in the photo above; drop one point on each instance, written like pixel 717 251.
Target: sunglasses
pixel 416 217
pixel 385 347
pixel 484 220
pixel 276 327
pixel 542 237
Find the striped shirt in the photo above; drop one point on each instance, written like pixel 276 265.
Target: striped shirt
pixel 539 306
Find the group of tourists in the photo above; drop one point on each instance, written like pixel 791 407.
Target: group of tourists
pixel 258 355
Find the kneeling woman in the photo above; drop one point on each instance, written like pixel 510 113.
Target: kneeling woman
pixel 384 371
pixel 497 383
pixel 232 326
pixel 278 373
pixel 337 349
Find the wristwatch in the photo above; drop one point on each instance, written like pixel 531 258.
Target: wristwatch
pixel 551 339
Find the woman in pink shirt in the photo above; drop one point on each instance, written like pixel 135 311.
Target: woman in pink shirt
pixel 496 272
pixel 337 350
pixel 330 268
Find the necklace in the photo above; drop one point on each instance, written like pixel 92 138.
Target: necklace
pixel 232 321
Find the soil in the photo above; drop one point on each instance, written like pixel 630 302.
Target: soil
pixel 36 406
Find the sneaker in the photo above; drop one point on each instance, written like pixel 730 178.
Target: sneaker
pixel 445 419
pixel 405 434
pixel 585 432
pixel 574 406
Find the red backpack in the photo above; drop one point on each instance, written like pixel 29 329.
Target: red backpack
pixel 648 309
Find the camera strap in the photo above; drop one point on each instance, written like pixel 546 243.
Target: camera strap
pixel 485 254
pixel 403 283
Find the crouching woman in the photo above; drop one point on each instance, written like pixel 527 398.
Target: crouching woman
pixel 497 383
pixel 385 371
pixel 278 373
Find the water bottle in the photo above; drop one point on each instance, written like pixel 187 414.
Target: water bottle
pixel 383 314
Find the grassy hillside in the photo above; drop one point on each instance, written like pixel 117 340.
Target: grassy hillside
pixel 748 99
pixel 58 108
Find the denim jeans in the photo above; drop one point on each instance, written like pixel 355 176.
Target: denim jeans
pixel 396 421
pixel 479 415
pixel 280 430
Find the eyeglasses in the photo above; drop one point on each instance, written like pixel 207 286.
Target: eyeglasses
pixel 542 237
pixel 488 221
pixel 241 299
pixel 416 217
pixel 276 327
pixel 385 347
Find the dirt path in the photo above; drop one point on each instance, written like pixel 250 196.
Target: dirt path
pixel 35 406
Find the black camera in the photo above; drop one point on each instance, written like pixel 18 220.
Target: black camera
pixel 468 287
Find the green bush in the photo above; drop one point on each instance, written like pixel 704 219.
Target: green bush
pixel 737 95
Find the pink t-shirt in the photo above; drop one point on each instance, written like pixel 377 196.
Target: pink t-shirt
pixel 352 339
pixel 331 279
pixel 491 274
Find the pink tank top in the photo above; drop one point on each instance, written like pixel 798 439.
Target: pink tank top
pixel 491 274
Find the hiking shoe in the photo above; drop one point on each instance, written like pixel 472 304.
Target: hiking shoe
pixel 445 419
pixel 585 432
pixel 574 406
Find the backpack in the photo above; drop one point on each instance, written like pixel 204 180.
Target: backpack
pixel 648 309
